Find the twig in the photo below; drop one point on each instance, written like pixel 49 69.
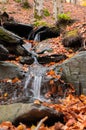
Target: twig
pixel 40 123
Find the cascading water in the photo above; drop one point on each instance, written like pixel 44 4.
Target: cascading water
pixel 37 38
pixel 33 81
pixel 37 87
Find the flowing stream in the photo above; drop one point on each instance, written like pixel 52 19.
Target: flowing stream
pixel 33 82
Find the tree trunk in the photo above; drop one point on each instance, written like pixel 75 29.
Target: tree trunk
pixel 57 8
pixel 38 8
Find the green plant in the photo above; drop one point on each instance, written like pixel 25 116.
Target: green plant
pixel 72 33
pixel 36 16
pixel 18 1
pixel 39 23
pixel 46 12
pixel 25 5
pixel 64 16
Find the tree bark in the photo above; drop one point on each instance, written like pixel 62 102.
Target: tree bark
pixel 38 8
pixel 57 8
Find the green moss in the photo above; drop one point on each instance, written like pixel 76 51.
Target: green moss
pixel 36 16
pixel 72 33
pixel 64 16
pixel 26 5
pixel 46 12
pixel 39 23
pixel 6 36
pixel 18 1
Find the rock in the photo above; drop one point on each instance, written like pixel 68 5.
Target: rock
pixel 35 31
pixel 74 71
pixel 72 39
pixel 10 70
pixel 27 60
pixel 3 53
pixel 51 58
pixel 47 33
pixel 23 30
pixel 42 47
pixel 8 38
pixel 28 113
pixel 44 32
pixel 11 42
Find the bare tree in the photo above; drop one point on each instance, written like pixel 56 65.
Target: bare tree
pixel 38 8
pixel 3 1
pixel 57 8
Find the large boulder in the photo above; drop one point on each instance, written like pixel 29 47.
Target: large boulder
pixel 23 30
pixel 72 39
pixel 10 70
pixel 28 113
pixel 8 38
pixel 74 71
pixel 44 32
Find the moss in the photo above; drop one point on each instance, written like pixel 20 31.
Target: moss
pixel 26 5
pixel 46 12
pixel 64 16
pixel 18 1
pixel 72 39
pixel 39 23
pixel 36 16
pixel 6 36
pixel 72 33
pixel 64 19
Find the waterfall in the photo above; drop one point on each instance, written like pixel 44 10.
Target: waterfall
pixel 37 38
pixel 36 87
pixel 33 83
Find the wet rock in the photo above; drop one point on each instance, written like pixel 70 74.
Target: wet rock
pixel 72 39
pixel 3 53
pixel 51 58
pixel 74 71
pixel 10 70
pixel 12 42
pixel 47 33
pixel 28 114
pixel 23 30
pixel 35 31
pixel 44 32
pixel 27 60
pixel 43 47
pixel 8 38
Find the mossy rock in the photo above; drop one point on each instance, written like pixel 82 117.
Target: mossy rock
pixel 72 39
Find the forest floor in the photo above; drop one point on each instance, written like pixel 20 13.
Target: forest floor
pixel 23 15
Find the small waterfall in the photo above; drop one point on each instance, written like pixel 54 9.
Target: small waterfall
pixel 37 38
pixel 36 87
pixel 33 83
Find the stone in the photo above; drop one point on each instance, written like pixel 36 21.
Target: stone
pixel 10 70
pixel 72 39
pixel 74 71
pixel 35 31
pixel 44 32
pixel 28 113
pixel 8 38
pixel 3 52
pixel 23 30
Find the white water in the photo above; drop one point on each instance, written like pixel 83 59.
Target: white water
pixel 36 87
pixel 37 38
pixel 32 87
